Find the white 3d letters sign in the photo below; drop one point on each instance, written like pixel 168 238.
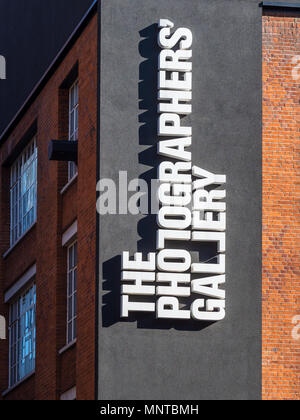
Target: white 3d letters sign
pixel 170 282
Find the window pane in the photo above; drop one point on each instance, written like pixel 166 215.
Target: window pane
pixel 72 294
pixel 74 329
pixel 72 119
pixel 23 192
pixel 70 309
pixel 70 284
pixel 76 120
pixel 73 124
pixel 75 304
pixel 70 256
pixel 76 93
pixel 22 336
pixel 75 279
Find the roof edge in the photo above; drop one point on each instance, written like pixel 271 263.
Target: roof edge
pixel 49 72
pixel 279 5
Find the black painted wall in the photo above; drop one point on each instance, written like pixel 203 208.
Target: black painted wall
pixel 143 358
pixel 31 34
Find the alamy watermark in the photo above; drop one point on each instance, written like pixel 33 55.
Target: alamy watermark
pixel 127 196
pixel 2 328
pixel 296 67
pixel 137 197
pixel 296 329
pixel 2 68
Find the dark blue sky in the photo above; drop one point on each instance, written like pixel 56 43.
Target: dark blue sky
pixel 31 34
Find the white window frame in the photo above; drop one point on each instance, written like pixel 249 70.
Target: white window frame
pixel 73 123
pixel 72 291
pixel 69 395
pixel 23 192
pixel 22 347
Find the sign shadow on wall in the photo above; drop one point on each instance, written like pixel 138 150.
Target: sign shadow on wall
pixel 147 226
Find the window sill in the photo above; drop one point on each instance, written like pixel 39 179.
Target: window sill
pixel 69 184
pixel 18 384
pixel 67 347
pixel 6 254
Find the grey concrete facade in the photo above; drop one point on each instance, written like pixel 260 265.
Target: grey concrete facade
pixel 144 358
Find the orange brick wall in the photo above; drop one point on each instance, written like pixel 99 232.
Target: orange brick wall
pixel 281 260
pixel 56 373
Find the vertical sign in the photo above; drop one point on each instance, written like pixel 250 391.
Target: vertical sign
pixel 192 208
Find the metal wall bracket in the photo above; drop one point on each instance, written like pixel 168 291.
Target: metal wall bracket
pixel 63 151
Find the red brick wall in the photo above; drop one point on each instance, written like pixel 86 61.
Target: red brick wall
pixel 281 283
pixel 57 373
pixel 23 393
pixel 87 158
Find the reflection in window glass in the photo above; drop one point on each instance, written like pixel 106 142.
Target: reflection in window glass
pixel 23 193
pixel 22 337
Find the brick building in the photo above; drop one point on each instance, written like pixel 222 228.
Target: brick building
pixel 49 240
pixel 281 112
pixel 41 251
